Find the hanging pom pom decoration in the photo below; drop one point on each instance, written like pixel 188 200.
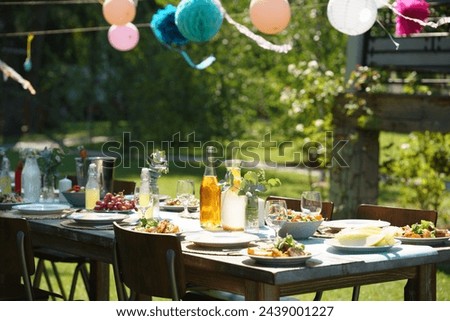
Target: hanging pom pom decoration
pixel 260 41
pixel 417 9
pixel 352 17
pixel 164 27
pixel 399 7
pixel 123 38
pixel 198 20
pixel 119 12
pixel 166 31
pixel 27 65
pixel 270 16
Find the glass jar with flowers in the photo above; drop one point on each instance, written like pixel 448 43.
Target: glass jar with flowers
pixel 49 161
pixel 252 184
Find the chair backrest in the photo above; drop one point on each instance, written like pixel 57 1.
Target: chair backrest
pixel 127 187
pixel 149 264
pixel 397 216
pixel 16 253
pixel 295 204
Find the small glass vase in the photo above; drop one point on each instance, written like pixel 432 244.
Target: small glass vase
pixel 48 188
pixel 251 214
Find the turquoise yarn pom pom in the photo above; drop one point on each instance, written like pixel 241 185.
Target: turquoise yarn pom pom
pixel 198 20
pixel 164 27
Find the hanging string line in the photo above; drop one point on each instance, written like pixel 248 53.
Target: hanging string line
pixel 260 41
pixel 38 3
pixel 397 45
pixel 62 31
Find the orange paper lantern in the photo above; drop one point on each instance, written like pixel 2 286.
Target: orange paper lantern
pixel 119 12
pixel 270 16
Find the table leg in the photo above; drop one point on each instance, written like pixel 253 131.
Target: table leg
pixel 256 291
pixel 99 281
pixel 423 286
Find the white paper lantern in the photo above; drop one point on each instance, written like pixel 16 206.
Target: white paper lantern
pixel 381 3
pixel 352 17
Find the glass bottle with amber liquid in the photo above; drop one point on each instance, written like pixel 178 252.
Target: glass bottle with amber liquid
pixel 210 191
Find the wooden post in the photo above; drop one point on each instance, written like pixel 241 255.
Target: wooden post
pixel 357 182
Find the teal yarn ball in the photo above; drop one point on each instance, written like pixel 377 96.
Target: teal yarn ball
pixel 198 20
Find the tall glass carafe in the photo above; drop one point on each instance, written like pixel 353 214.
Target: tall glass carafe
pixel 31 180
pixel 210 218
pixel 233 204
pixel 92 190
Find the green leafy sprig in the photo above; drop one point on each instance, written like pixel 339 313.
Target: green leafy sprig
pixel 254 183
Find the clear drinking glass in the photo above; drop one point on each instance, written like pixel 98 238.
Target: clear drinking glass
pixel 143 200
pixel 311 203
pixel 186 194
pixel 275 212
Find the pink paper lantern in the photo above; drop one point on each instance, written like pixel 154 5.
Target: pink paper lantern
pixel 270 16
pixel 123 38
pixel 119 12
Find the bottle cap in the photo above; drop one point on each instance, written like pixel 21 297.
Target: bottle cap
pixel 145 173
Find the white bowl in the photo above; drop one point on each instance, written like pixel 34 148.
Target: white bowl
pixel 299 230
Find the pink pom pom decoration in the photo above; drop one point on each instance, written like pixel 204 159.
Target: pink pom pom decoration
pixel 417 9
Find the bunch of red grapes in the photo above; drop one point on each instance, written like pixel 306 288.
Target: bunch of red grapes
pixel 114 202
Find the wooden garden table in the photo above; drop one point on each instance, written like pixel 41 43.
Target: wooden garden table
pixel 328 269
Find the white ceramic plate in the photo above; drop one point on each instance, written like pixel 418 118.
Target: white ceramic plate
pixel 359 249
pixel 222 239
pixel 280 261
pixel 8 206
pixel 113 212
pixel 177 208
pixel 41 208
pixel 96 218
pixel 423 241
pixel 352 223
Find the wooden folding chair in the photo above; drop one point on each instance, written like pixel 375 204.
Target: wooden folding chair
pixel 17 262
pixel 150 264
pixel 54 257
pixel 127 187
pixel 397 216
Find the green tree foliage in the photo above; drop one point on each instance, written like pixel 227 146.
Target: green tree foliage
pixel 152 90
pixel 420 168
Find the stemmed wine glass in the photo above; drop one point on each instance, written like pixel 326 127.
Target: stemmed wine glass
pixel 143 199
pixel 311 203
pixel 275 214
pixel 185 193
